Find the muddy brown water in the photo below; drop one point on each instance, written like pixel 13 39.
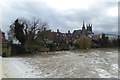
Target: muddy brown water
pixel 93 63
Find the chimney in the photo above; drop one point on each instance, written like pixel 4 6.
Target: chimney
pixel 58 30
pixel 68 31
pixel 44 29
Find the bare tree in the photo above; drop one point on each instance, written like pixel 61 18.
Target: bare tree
pixel 30 28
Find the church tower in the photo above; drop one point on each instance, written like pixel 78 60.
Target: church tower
pixel 89 28
pixel 83 29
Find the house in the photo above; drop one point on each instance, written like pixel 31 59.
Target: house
pixel 2 37
pixel 96 37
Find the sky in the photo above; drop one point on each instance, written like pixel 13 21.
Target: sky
pixel 63 14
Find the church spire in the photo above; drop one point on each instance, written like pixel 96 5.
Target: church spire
pixel 83 24
pixel 83 29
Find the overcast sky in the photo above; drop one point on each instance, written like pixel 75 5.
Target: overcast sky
pixel 63 14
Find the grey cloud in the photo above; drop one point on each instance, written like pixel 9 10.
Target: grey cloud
pixel 31 9
pixel 95 15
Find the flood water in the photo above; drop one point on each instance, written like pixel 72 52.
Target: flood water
pixel 94 63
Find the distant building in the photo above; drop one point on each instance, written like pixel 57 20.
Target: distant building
pixel 2 37
pixel 44 36
pixel 96 37
pixel 112 37
pixel 67 37
pixel 86 30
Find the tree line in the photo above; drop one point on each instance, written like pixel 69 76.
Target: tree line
pixel 26 32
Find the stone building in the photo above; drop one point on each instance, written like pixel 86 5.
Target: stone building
pixel 86 30
pixel 46 36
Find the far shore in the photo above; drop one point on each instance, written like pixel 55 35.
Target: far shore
pixel 54 52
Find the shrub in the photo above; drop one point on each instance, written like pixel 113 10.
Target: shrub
pixel 84 42
pixel 6 50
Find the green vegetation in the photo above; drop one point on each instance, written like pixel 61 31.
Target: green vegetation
pixel 25 32
pixel 104 41
pixel 6 50
pixel 84 42
pixel 33 36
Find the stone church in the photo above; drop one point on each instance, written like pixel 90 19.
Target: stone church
pixel 86 30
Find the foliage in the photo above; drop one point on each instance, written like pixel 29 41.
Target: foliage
pixel 25 31
pixel 118 40
pixel 52 46
pixel 6 50
pixel 104 41
pixel 115 43
pixel 18 30
pixel 17 48
pixel 83 42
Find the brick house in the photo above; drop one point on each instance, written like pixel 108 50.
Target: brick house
pixel 2 37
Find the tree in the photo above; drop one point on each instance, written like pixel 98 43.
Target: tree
pixel 84 42
pixel 18 30
pixel 25 31
pixel 104 41
pixel 115 43
pixel 118 41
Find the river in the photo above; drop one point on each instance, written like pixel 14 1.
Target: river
pixel 94 63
